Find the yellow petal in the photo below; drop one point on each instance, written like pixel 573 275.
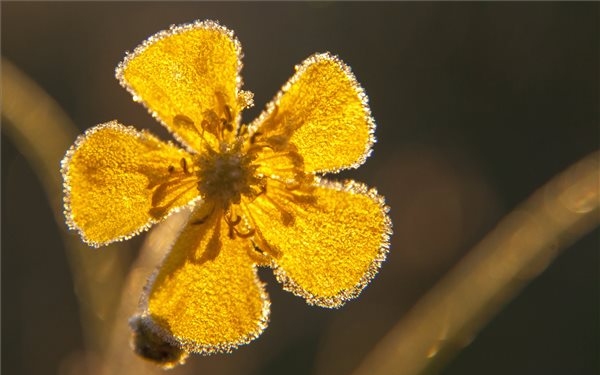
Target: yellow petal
pixel 330 238
pixel 187 77
pixel 323 111
pixel 119 180
pixel 206 295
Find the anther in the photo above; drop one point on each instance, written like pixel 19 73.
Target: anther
pixel 226 125
pixel 199 221
pixel 248 234
pixel 253 137
pixel 203 219
pixel 183 120
pixel 236 221
pixel 242 130
pixel 184 165
pixel 257 249
pixel 292 185
pixel 234 227
pixel 228 114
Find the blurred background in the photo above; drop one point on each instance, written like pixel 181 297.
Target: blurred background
pixel 476 106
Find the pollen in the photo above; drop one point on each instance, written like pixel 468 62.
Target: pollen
pixel 227 174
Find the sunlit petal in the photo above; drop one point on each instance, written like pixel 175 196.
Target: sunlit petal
pixel 330 239
pixel 119 180
pixel 188 79
pixel 323 111
pixel 206 295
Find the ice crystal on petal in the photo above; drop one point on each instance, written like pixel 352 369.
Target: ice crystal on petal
pixel 255 190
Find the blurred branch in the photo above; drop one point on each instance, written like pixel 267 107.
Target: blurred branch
pixel 522 245
pixel 119 358
pixel 441 324
pixel 42 133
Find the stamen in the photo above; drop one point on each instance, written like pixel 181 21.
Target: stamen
pixel 256 148
pixel 293 185
pixel 253 137
pixel 258 240
pixel 203 219
pixel 242 131
pixel 171 178
pixel 257 249
pixel 166 187
pixel 261 244
pixel 225 125
pixel 228 114
pixel 184 166
pixel 248 234
pixel 286 217
pixel 256 254
pixel 213 247
pixel 206 125
pixel 163 190
pixel 262 189
pixel 183 121
pixel 234 220
pixel 303 194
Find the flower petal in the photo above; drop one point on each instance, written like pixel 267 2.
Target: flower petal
pixel 188 79
pixel 206 295
pixel 323 111
pixel 331 238
pixel 119 180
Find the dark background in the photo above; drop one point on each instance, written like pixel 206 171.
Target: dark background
pixel 476 105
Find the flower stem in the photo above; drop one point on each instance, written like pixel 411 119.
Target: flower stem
pixel 42 133
pixel 521 246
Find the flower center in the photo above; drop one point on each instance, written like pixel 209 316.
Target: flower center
pixel 227 174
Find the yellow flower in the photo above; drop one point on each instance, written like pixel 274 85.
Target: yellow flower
pixel 255 190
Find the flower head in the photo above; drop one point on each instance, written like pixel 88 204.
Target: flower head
pixel 254 190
